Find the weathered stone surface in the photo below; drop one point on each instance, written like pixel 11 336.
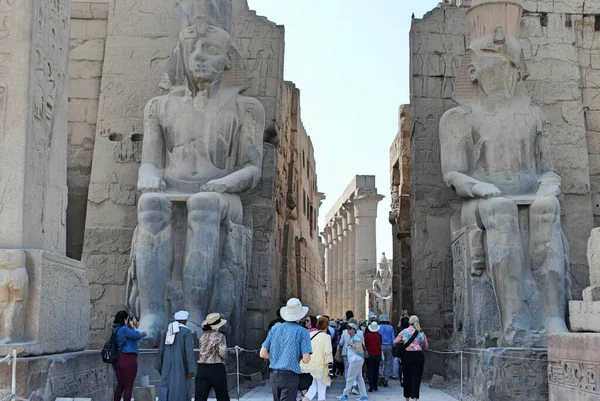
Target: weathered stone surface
pixel 507 374
pixel 72 375
pixel 53 312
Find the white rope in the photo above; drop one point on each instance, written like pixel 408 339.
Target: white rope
pixel 461 352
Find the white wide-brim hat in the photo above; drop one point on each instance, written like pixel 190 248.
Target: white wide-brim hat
pixel 214 321
pixel 293 310
pixel 374 327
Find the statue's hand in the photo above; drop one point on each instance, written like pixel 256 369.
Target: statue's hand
pixel 552 190
pixel 151 184
pixel 219 185
pixel 484 190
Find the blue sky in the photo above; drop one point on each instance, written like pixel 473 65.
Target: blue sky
pixel 350 60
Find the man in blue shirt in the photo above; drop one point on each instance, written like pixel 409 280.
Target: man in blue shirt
pixel 287 343
pixel 387 342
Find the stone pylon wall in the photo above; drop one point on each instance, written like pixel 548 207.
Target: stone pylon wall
pixel 560 42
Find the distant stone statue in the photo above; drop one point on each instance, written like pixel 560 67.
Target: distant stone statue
pixel 496 155
pixel 14 291
pixel 203 146
pixel 379 298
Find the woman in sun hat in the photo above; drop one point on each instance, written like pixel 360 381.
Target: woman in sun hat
pixel 211 363
pixel 373 346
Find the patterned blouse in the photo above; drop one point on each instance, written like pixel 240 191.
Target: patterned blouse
pixel 213 348
pixel 417 344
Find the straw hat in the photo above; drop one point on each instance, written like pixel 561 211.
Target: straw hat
pixel 214 321
pixel 293 310
pixel 374 327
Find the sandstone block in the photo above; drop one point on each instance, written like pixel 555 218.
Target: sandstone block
pixel 593 256
pixel 56 313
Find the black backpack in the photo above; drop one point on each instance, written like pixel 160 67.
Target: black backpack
pixel 111 350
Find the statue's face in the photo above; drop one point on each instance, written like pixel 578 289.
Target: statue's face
pixel 494 73
pixel 210 56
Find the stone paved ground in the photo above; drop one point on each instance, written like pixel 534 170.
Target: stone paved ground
pixel 392 393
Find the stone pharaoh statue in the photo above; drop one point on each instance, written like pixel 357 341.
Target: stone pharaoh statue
pixel 202 145
pixel 496 156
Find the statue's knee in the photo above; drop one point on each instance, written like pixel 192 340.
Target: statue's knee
pixel 493 207
pixel 545 209
pixel 204 201
pixel 154 209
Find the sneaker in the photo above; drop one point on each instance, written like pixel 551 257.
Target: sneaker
pixel 342 397
pixel 363 398
pixel 355 391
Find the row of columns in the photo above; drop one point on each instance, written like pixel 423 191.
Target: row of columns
pixel 350 255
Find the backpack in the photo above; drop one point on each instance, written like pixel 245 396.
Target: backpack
pixel 111 350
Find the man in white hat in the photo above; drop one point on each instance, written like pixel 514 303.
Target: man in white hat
pixel 175 360
pixel 287 343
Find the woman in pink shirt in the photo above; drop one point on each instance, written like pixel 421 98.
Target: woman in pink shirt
pixel 413 360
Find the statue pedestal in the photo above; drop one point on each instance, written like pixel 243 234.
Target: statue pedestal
pixel 574 366
pixel 507 374
pixel 55 312
pixel 78 374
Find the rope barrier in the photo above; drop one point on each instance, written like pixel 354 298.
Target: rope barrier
pixel 461 352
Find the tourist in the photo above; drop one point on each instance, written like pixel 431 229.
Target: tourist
pixel 373 346
pixel 413 359
pixel 275 321
pixel 126 366
pixel 343 344
pixel 404 312
pixel 310 322
pixel 320 366
pixel 356 360
pixel 349 315
pixel 211 372
pixel 387 342
pixel 286 344
pixel 397 362
pixel 175 361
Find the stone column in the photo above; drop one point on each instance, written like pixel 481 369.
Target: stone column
pixel 339 276
pixel 37 277
pixel 351 288
pixel 334 268
pixel 365 214
pixel 345 243
pixel 327 234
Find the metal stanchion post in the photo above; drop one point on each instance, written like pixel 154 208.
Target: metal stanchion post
pixel 237 361
pixel 14 375
pixel 461 375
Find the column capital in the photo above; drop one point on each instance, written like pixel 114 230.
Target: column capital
pixel 348 207
pixel 366 206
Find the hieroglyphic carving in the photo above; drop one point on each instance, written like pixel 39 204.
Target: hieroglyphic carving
pixel 578 375
pixel 80 383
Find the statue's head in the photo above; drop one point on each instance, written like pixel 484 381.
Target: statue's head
pixel 206 52
pixel 497 64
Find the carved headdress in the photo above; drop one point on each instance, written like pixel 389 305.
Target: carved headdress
pixel 196 18
pixel 494 26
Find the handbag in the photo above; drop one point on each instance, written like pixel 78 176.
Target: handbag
pixel 399 350
pixel 305 381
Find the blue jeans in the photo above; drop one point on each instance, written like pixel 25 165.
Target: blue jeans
pixel 284 384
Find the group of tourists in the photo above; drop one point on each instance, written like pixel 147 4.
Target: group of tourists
pixel 306 352
pixel 175 360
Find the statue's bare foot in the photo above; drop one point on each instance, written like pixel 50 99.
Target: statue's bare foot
pixel 517 332
pixel 555 325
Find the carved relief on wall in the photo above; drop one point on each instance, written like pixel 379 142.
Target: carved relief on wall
pixel 578 375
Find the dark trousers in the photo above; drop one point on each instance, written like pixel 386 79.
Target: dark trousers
pixel 412 369
pixel 284 384
pixel 373 362
pixel 211 376
pixel 126 369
